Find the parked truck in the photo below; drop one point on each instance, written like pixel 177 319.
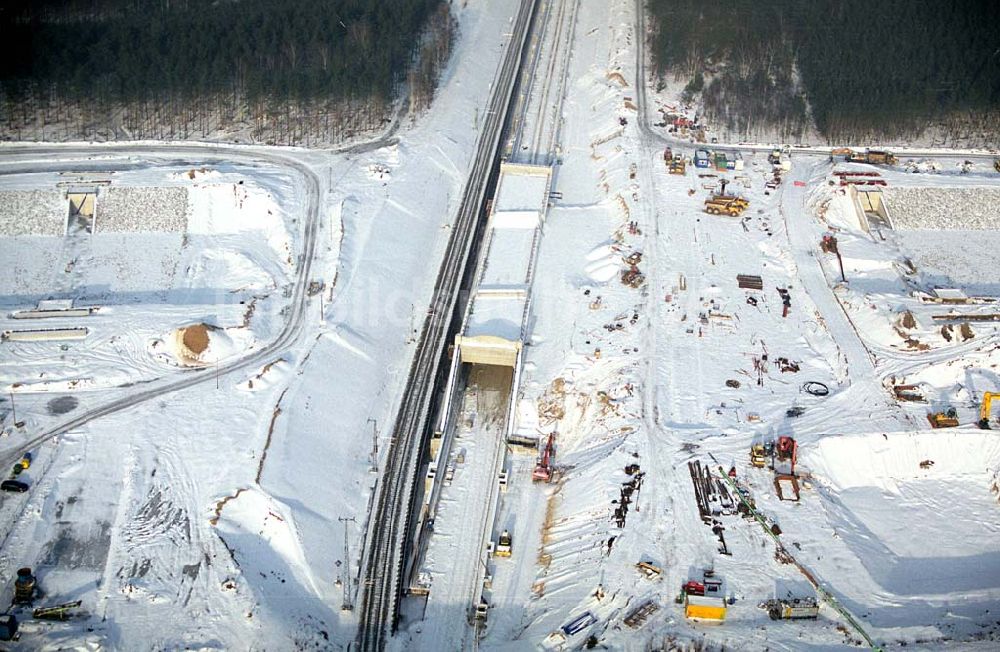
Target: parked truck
pixel 872 156
pixel 726 205
pixel 792 609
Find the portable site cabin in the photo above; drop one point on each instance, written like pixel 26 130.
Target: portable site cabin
pixel 701 158
pixel 705 608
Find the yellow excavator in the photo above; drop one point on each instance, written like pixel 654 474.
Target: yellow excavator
pixel 985 408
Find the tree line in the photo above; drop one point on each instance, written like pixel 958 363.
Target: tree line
pixel 203 65
pixel 858 69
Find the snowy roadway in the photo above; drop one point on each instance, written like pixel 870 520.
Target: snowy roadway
pixel 20 159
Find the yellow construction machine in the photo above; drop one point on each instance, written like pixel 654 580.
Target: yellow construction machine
pixel 504 545
pixel 726 205
pixel 985 409
pixel 945 419
pixel 758 456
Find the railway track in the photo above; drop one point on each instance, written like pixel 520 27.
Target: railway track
pixel 385 551
pixel 537 117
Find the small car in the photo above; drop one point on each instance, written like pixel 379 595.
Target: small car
pixel 14 485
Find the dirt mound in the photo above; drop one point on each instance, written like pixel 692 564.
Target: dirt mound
pixel 195 338
pixel 192 344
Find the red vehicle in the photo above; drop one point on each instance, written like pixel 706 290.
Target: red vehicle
pixel 693 588
pixel 543 471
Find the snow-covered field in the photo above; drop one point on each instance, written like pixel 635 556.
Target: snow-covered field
pixel 216 516
pixel 226 269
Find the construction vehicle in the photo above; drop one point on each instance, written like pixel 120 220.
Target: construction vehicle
pixel 794 609
pixel 56 612
pixel 758 456
pixel 985 409
pixel 504 544
pixel 786 452
pixel 24 587
pixel 543 470
pixel 677 165
pixel 945 419
pixel 726 205
pixel 25 461
pixel 774 158
pixel 668 155
pixel 15 486
pixel 872 156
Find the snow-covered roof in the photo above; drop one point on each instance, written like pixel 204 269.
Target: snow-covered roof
pixel 497 313
pixel 522 188
pixel 508 260
pixel 499 307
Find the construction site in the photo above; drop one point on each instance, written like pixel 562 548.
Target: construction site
pixel 545 367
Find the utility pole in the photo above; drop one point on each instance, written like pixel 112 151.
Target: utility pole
pixel 347 605
pixel 374 453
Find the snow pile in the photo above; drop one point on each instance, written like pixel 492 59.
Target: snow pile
pixel 916 508
pixel 954 259
pixel 142 209
pixel 968 209
pixel 889 461
pixel 603 264
pixel 32 212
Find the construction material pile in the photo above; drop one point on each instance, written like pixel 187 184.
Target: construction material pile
pixel 33 212
pixel 142 209
pixel 964 209
pixel 200 344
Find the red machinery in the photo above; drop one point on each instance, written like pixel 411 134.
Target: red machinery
pixel 693 588
pixel 543 471
pixel 786 452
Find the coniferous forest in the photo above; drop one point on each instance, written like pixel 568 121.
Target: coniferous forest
pixel 284 71
pixel 856 69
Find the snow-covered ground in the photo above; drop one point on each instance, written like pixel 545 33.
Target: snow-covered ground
pixel 214 517
pixel 690 367
pixel 211 517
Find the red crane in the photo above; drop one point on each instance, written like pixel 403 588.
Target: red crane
pixel 543 471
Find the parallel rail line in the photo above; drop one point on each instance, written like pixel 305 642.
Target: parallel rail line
pixel 385 552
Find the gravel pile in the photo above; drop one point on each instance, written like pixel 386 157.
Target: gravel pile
pixel 33 212
pixel 142 209
pixel 962 209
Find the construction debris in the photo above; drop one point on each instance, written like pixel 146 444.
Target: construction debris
pixel 638 616
pixel 910 393
pixel 651 571
pixel 714 500
pixel 749 282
